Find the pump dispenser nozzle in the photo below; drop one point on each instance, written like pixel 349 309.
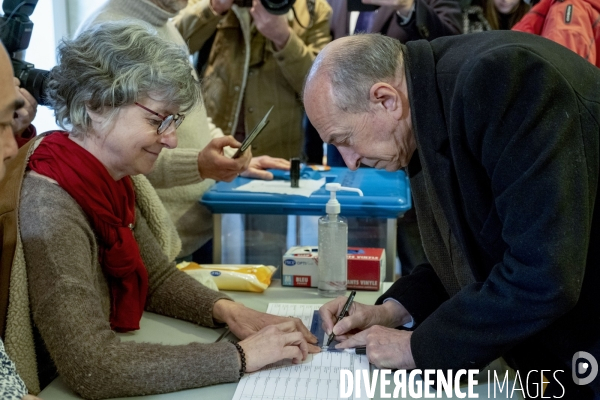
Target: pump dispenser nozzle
pixel 333 205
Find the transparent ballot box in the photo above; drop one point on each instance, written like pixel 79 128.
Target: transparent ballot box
pixel 258 228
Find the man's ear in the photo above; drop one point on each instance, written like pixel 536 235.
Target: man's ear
pixel 385 95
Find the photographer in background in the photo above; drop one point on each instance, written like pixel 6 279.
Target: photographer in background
pixel 15 33
pixel 257 59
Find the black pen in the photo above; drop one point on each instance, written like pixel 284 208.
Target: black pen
pixel 342 315
pixel 356 350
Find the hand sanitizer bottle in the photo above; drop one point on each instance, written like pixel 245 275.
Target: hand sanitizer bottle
pixel 333 246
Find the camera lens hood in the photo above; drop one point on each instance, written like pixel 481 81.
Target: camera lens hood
pixel 278 7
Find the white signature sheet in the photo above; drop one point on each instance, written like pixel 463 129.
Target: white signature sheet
pixel 318 377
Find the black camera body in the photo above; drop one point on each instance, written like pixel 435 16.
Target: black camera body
pixel 358 5
pixel 243 3
pixel 15 32
pixel 277 7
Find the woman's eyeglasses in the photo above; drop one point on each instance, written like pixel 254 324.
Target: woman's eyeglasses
pixel 166 121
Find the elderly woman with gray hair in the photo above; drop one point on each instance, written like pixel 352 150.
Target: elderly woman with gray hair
pixel 97 241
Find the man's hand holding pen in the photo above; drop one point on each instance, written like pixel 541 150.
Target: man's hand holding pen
pixel 341 315
pixel 360 317
pixel 373 327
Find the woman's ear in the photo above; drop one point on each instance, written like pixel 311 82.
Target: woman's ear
pixel 96 117
pixel 385 95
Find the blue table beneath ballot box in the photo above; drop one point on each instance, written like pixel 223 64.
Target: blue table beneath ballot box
pixel 386 196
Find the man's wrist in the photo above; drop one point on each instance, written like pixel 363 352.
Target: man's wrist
pixel 215 10
pixel 395 314
pixel 280 43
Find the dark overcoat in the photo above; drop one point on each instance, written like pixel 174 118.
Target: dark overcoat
pixel 507 127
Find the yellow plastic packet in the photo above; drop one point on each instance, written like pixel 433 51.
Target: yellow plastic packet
pixel 247 278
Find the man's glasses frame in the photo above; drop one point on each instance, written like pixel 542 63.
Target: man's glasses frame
pixel 166 121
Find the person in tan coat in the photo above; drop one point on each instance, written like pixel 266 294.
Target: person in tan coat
pixel 257 60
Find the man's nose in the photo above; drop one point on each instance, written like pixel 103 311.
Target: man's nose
pixel 351 159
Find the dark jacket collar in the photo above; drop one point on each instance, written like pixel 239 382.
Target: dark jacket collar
pixel 432 136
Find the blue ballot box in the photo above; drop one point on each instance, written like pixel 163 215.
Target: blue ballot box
pixel 386 196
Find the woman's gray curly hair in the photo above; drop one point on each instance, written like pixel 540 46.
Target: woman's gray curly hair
pixel 115 64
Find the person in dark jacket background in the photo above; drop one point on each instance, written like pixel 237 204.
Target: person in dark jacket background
pixel 401 19
pixel 505 182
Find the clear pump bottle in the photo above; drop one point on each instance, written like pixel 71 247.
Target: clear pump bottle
pixel 333 246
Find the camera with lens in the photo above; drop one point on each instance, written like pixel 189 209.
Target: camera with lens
pixel 277 7
pixel 15 32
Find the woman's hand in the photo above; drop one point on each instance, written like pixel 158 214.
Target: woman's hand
pixel 274 343
pixel 258 165
pixel 245 322
pixel 360 316
pixel 30 397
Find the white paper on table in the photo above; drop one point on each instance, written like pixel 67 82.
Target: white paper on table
pixel 278 186
pixel 318 377
pixel 303 311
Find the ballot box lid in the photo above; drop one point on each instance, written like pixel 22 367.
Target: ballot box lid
pixel 386 195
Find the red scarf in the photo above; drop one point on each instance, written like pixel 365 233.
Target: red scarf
pixel 110 207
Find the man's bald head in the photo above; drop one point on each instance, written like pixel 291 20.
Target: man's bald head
pixel 348 67
pixel 10 101
pixel 356 97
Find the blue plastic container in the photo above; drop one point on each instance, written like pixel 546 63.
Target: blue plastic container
pixel 386 195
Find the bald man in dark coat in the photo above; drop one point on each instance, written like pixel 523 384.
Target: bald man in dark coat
pixel 500 135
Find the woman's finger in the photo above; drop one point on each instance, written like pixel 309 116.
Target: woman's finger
pixel 296 339
pixel 305 331
pixel 294 353
pixel 256 173
pixel 312 349
pixel 287 326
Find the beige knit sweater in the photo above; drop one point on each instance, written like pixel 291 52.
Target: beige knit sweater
pixel 175 176
pixel 70 305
